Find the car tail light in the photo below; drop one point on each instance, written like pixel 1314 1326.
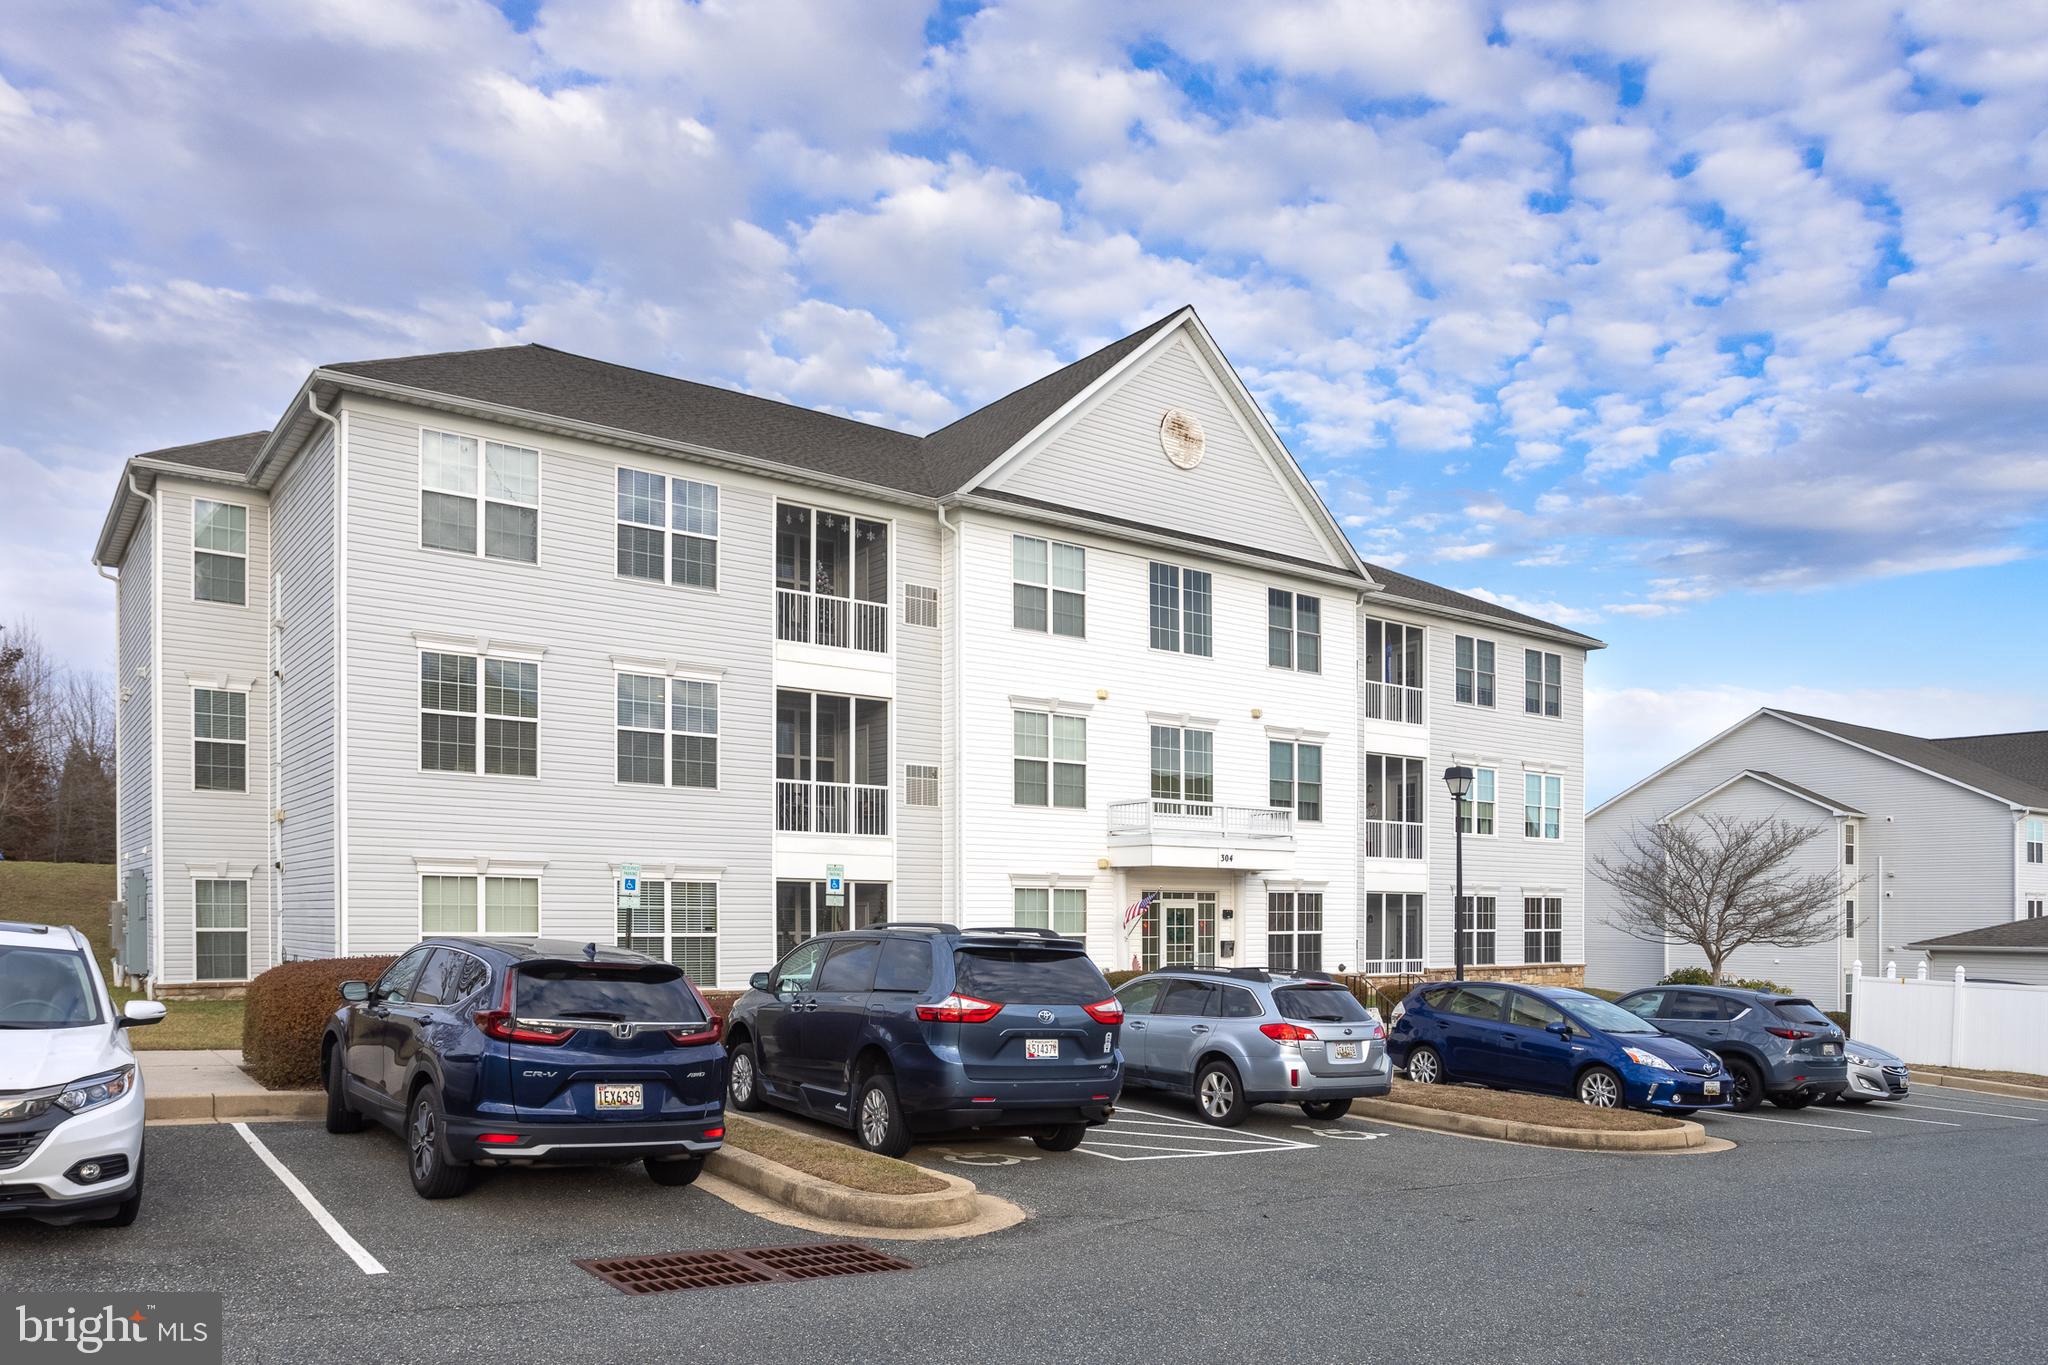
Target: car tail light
pixel 708 1034
pixel 500 1024
pixel 959 1009
pixel 1795 1034
pixel 1110 1011
pixel 714 1133
pixel 498 1139
pixel 1288 1033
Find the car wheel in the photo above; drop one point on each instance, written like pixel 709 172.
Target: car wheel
pixel 340 1118
pixel 1219 1096
pixel 682 1172
pixel 1326 1109
pixel 1064 1138
pixel 743 1078
pixel 1746 1085
pixel 1600 1088
pixel 1797 1099
pixel 1425 1067
pixel 435 1174
pixel 127 1210
pixel 878 1118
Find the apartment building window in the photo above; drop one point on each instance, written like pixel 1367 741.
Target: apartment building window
pixel 1478 930
pixel 449 699
pixel 667 730
pixel 1542 929
pixel 920 784
pixel 220 930
pixel 1049 587
pixel 220 552
pixel 1183 604
pixel 1062 909
pixel 831 763
pixel 220 740
pixel 1393 933
pixel 459 474
pixel 1475 812
pixel 1051 760
pixel 920 605
pixel 1848 919
pixel 1849 843
pixel 1393 671
pixel 1294 630
pixel 676 922
pixel 450 905
pixel 1183 768
pixel 803 910
pixel 2034 908
pixel 1295 778
pixel 831 579
pixel 668 529
pixel 1475 670
pixel 1542 806
pixel 1294 931
pixel 1393 806
pixel 2034 840
pixel 1542 683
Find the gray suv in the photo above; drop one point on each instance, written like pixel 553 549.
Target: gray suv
pixel 1776 1047
pixel 1235 1037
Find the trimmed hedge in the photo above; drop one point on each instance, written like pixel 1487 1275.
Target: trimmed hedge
pixel 287 1009
pixel 1688 976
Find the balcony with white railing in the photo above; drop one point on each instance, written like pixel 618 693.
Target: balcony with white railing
pixel 1392 839
pixel 1392 701
pixel 830 807
pixel 1172 833
pixel 808 618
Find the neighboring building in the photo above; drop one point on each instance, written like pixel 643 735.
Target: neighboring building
pixel 468 638
pixel 1931 837
pixel 2015 951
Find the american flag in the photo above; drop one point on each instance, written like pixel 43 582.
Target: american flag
pixel 1135 911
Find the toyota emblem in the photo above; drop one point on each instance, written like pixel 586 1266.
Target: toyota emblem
pixel 1045 1016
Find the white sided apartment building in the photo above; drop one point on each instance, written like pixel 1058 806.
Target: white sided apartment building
pixel 513 641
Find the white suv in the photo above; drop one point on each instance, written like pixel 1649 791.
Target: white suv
pixel 70 1092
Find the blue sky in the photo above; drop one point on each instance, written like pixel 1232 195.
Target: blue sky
pixel 1714 330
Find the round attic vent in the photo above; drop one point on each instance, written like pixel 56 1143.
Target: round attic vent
pixel 1180 436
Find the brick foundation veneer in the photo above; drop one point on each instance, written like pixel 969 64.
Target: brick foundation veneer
pixel 1534 974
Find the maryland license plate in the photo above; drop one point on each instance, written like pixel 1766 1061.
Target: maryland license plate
pixel 1041 1049
pixel 618 1096
pixel 1711 1088
pixel 1344 1052
pixel 1829 1049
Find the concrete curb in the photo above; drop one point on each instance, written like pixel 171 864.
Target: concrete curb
pixel 1954 1082
pixel 269 1104
pixel 808 1194
pixel 1686 1135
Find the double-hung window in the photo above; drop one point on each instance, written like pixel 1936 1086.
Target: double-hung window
pixel 449 905
pixel 668 529
pixel 1294 630
pixel 1183 610
pixel 457 474
pixel 1049 587
pixel 1478 929
pixel 1848 843
pixel 2035 908
pixel 1542 806
pixel 449 711
pixel 2034 840
pixel 220 930
pixel 1475 670
pixel 220 552
pixel 220 740
pixel 676 922
pixel 1542 683
pixel 1062 909
pixel 1294 931
pixel 1183 768
pixel 1543 928
pixel 1051 760
pixel 1295 778
pixel 1475 812
pixel 667 730
pixel 1848 919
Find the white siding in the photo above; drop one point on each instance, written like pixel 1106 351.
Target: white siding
pixel 303 518
pixel 2026 969
pixel 136 684
pixel 920 724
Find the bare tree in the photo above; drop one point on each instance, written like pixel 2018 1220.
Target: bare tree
pixel 1720 883
pixel 56 755
pixel 26 774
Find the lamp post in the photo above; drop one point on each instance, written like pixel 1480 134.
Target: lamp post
pixel 1459 781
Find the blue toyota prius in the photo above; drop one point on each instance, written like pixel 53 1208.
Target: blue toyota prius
pixel 1555 1039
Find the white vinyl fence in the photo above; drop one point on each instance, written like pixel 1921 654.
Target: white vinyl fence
pixel 1952 1021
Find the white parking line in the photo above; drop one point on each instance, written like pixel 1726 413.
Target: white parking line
pixel 1900 1118
pixel 1239 1139
pixel 1795 1123
pixel 1980 1113
pixel 1987 1096
pixel 367 1263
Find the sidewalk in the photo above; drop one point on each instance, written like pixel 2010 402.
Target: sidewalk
pixel 211 1087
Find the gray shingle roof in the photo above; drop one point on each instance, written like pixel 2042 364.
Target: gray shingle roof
pixel 2018 933
pixel 1932 755
pixel 2022 754
pixel 224 455
pixel 1431 594
pixel 1807 792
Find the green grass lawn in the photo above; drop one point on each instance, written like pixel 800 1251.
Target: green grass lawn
pixel 77 894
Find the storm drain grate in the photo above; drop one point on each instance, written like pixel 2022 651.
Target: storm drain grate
pixel 752 1265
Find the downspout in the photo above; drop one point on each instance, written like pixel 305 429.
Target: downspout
pixel 949 598
pixel 156 748
pixel 340 695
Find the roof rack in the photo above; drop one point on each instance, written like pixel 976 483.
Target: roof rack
pixel 1238 973
pixel 1030 932
pixel 19 928
pixel 935 925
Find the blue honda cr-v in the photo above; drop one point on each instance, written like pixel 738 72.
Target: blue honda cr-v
pixel 512 1052
pixel 909 1029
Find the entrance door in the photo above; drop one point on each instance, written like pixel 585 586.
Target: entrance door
pixel 1180 929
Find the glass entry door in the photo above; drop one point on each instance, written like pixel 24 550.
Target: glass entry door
pixel 1180 929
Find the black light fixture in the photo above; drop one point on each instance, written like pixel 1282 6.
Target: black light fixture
pixel 1459 781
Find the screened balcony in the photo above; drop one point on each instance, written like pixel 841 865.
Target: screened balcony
pixel 831 764
pixel 831 579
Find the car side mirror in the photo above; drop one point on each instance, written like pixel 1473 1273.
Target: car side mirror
pixel 355 992
pixel 138 1012
pixel 758 981
pixel 1560 1028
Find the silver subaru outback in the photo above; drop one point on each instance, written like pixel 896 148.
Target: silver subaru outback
pixel 1233 1037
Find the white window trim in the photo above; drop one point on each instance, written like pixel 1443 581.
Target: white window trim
pixel 1543 775
pixel 1476 894
pixel 1297 740
pixel 215 684
pixel 426 643
pixel 670 672
pixel 667 529
pixel 1479 767
pixel 1547 655
pixel 1475 703
pixel 1541 893
pixel 1050 806
pixel 220 874
pixel 1180 608
pixel 481 870
pixel 229 554
pixel 1049 588
pixel 1052 886
pixel 482 499
pixel 1180 753
pixel 1294 631
pixel 669 935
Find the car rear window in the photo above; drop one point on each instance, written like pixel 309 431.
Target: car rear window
pixel 1800 1012
pixel 1319 1004
pixel 655 993
pixel 1028 976
pixel 906 965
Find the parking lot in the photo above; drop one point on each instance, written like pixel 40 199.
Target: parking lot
pixel 1284 1239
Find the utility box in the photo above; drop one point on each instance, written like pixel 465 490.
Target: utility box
pixel 128 926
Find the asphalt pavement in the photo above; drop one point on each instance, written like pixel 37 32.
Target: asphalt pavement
pixel 1870 1234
